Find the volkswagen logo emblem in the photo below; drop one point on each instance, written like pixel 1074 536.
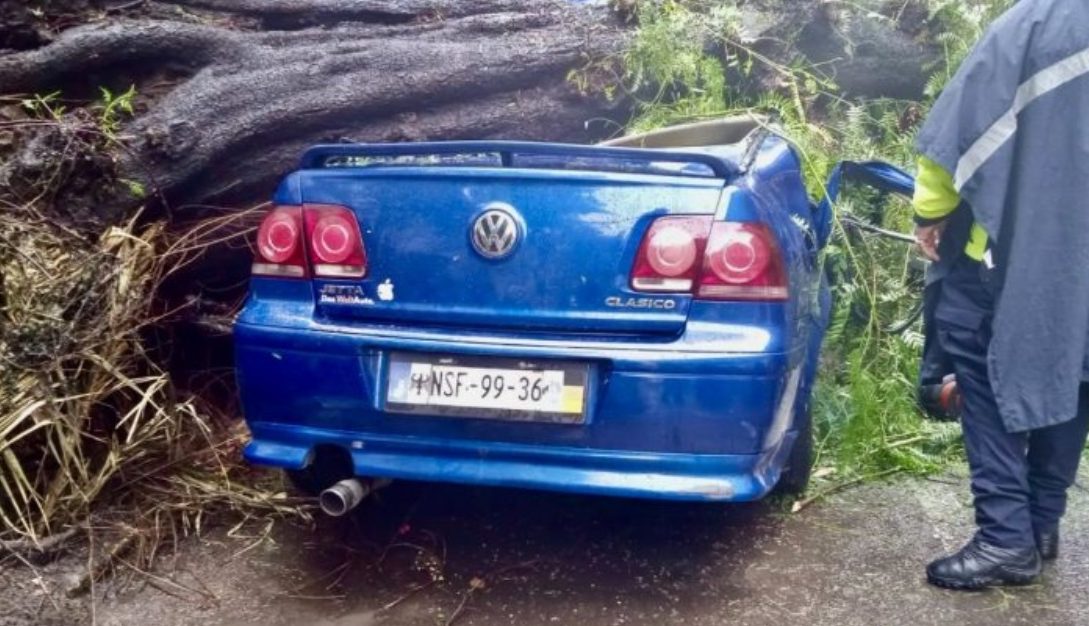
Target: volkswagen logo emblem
pixel 495 231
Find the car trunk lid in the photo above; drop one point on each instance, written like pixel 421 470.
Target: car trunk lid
pixel 522 238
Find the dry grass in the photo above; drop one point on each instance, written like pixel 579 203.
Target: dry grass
pixel 86 413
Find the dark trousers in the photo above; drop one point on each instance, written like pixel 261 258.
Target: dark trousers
pixel 1019 480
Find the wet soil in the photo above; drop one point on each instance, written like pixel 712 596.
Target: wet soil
pixel 424 554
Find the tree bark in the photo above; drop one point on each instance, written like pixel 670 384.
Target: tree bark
pixel 245 97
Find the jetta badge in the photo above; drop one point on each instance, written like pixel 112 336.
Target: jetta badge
pixel 495 231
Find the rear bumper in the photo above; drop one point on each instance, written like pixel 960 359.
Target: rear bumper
pixel 614 473
pixel 662 422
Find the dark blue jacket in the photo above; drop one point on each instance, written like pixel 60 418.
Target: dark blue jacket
pixel 1014 127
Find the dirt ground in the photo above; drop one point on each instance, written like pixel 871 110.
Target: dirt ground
pixel 426 554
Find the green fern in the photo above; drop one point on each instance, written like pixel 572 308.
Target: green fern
pixel 958 26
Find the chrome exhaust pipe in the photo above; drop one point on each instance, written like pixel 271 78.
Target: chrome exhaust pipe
pixel 341 498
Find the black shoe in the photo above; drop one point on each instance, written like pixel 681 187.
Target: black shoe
pixel 1047 543
pixel 980 565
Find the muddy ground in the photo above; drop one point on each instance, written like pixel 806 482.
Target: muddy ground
pixel 423 554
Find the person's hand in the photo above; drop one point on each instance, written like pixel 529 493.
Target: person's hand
pixel 929 238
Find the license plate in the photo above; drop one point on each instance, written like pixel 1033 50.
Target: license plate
pixel 504 389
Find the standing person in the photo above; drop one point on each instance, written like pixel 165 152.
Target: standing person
pixel 1010 138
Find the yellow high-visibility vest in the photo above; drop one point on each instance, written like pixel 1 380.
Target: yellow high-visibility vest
pixel 936 198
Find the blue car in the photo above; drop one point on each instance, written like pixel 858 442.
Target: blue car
pixel 636 319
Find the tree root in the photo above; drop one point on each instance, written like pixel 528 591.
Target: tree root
pixel 113 45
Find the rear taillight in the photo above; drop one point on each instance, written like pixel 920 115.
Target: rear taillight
pixel 279 244
pixel 669 259
pixel 318 240
pixel 335 244
pixel 713 260
pixel 742 262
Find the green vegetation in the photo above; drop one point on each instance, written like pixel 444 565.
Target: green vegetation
pixel 111 108
pixel 687 62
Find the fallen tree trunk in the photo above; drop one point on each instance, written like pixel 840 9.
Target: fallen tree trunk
pixel 244 96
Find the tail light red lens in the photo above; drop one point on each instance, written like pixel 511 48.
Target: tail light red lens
pixel 669 258
pixel 331 240
pixel 672 252
pixel 713 260
pixel 742 262
pixel 314 239
pixel 279 244
pixel 336 246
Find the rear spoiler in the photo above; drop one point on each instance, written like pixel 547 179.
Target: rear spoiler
pixel 524 154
